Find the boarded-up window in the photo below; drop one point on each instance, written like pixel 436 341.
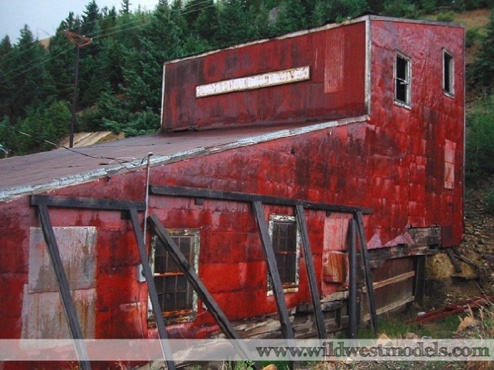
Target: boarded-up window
pixel 284 237
pixel 175 294
pixel 449 164
pixel 402 79
pixel 43 314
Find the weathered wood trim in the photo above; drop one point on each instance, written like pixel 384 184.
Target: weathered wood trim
pixel 311 272
pixel 367 270
pixel 203 193
pixel 153 294
pixel 420 280
pixel 352 281
pixel 63 285
pixel 391 306
pixel 380 255
pixel 392 280
pixel 86 203
pixel 286 325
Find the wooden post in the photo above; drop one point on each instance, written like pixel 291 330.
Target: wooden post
pixel 311 272
pixel 153 294
pixel 352 284
pixel 286 325
pixel 368 273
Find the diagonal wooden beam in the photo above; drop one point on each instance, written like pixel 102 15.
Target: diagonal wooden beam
pixel 63 285
pixel 352 281
pixel 311 272
pixel 368 273
pixel 198 285
pixel 286 325
pixel 153 294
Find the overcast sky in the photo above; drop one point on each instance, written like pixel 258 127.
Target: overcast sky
pixel 44 16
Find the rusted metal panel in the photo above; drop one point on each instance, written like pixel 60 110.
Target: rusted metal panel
pixel 334 87
pixel 78 251
pixel 335 267
pixel 43 312
pixel 391 161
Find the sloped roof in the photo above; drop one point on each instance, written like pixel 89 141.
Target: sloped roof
pixel 41 172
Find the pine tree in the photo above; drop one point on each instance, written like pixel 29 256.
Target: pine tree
pixel 481 73
pixel 32 84
pixel 234 23
pixel 6 81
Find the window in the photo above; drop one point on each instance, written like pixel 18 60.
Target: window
pixel 448 73
pixel 402 79
pixel 177 299
pixel 285 239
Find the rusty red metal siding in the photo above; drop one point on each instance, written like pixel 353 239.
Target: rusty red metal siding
pixel 421 135
pixel 393 163
pixel 336 88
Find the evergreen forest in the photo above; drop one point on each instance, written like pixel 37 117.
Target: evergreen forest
pixel 119 71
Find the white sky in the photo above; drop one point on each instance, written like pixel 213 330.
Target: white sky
pixel 44 16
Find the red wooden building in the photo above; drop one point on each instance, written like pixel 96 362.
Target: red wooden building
pixel 270 152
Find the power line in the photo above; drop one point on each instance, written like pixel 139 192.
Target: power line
pixel 120 161
pixel 115 30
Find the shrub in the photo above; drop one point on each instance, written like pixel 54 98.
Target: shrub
pixel 446 16
pixel 480 140
pixel 489 198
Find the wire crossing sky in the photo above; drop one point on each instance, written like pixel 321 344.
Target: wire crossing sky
pixel 44 17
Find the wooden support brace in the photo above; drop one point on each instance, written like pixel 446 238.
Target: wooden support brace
pixel 197 284
pixel 352 283
pixel 63 285
pixel 311 272
pixel 367 271
pixel 286 325
pixel 183 191
pixel 153 294
pixel 86 203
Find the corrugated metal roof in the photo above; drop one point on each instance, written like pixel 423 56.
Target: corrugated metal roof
pixel 63 167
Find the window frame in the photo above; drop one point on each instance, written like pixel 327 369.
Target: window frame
pixel 288 287
pixel 448 65
pixel 184 315
pixel 407 80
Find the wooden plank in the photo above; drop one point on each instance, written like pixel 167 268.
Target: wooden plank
pixel 392 306
pixel 153 294
pixel 203 193
pixel 286 325
pixel 452 257
pixel 420 280
pixel 87 203
pixel 311 272
pixel 392 280
pixel 63 285
pixel 352 284
pixel 367 270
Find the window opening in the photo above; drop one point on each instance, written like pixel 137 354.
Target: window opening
pixel 402 79
pixel 285 240
pixel 448 73
pixel 177 299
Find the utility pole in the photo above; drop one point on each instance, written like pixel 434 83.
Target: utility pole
pixel 79 41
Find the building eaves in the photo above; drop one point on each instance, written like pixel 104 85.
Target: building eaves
pixel 37 173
